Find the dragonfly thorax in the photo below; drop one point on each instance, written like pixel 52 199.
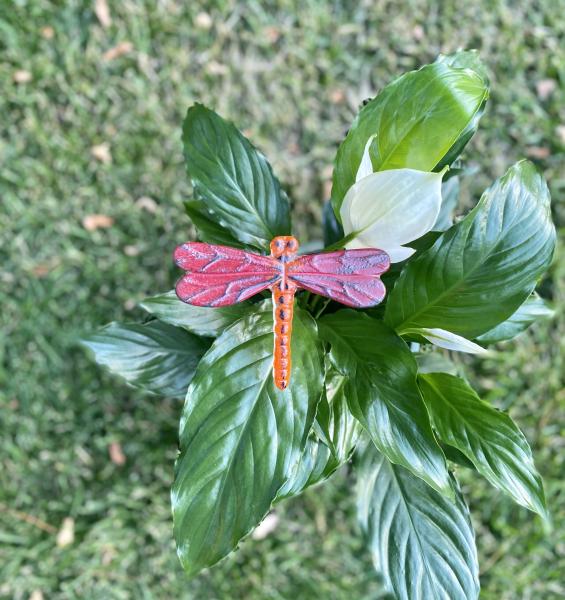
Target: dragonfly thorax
pixel 284 247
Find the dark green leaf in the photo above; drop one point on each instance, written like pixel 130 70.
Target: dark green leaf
pixel 233 179
pixel 480 271
pixel 382 392
pixel 333 231
pixel 208 230
pixel 240 437
pixel 198 319
pixel 315 464
pixel 456 456
pixel 416 119
pixel 422 543
pixel 533 309
pixel 335 425
pixel 487 437
pixel 155 357
pixel 336 433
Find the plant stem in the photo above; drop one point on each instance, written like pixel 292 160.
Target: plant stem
pixel 341 243
pixel 322 309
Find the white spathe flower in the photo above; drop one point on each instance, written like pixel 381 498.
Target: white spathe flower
pixel 446 339
pixel 391 208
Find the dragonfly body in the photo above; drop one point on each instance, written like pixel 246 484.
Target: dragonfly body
pixel 219 276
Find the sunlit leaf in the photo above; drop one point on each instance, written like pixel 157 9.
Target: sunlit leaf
pixel 416 120
pixel 156 357
pixel 487 437
pixel 421 542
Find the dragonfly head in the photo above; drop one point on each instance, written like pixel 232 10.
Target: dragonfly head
pixel 284 246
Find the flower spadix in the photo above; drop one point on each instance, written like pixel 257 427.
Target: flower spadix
pixel 391 208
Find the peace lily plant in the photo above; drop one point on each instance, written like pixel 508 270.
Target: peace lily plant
pixel 377 389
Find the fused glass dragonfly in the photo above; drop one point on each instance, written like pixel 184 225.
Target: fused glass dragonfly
pixel 219 276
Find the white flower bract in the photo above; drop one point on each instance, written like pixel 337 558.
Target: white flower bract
pixel 388 209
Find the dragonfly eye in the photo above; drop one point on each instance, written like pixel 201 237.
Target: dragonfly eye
pixel 292 245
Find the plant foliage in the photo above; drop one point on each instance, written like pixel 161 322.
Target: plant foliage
pixel 245 445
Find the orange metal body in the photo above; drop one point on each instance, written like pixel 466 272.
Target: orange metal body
pixel 284 248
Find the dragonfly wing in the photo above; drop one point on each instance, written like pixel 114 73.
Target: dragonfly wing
pixel 220 275
pixel 351 277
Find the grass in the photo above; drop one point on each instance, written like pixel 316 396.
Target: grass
pixel 84 133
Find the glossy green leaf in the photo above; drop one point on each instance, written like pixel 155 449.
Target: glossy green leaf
pixel 315 464
pixel 333 231
pixel 382 392
pixel 336 433
pixel 487 437
pixel 208 230
pixel 240 437
pixel 335 425
pixel 482 269
pixel 155 357
pixel 200 320
pixel 233 179
pixel 534 309
pixel 468 59
pixel 421 542
pixel 415 120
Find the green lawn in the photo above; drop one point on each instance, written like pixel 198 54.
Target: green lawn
pixel 90 125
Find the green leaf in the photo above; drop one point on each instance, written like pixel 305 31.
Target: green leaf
pixel 240 436
pixel 416 120
pixel 197 319
pixel 233 179
pixel 479 272
pixel 468 59
pixel 487 437
pixel 533 309
pixel 382 393
pixel 155 357
pixel 421 542
pixel 208 230
pixel 315 464
pixel 335 425
pixel 337 432
pixel 333 231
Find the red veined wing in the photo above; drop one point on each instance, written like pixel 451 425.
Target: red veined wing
pixel 220 275
pixel 351 277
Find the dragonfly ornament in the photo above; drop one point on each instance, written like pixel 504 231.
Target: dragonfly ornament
pixel 220 275
pixel 389 208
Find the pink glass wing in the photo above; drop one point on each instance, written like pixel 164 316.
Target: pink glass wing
pixel 220 275
pixel 351 277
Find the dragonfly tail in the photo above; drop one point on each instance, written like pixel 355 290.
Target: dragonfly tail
pixel 283 310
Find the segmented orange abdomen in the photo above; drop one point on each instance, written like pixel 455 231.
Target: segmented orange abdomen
pixel 283 305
